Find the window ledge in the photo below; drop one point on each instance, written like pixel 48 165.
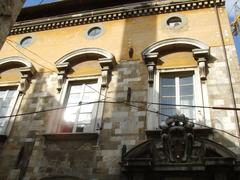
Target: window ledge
pixel 71 136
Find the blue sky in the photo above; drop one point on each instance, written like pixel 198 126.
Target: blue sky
pixel 231 14
pixel 29 3
pixel 229 7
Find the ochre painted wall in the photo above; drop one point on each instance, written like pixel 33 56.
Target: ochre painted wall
pixel 178 59
pixel 139 33
pixel 10 75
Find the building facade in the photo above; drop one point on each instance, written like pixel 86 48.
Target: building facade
pixel 120 90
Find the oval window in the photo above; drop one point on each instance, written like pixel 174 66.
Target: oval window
pixel 26 41
pixel 94 32
pixel 174 21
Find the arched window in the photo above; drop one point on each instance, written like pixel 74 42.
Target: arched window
pixel 15 75
pixel 177 71
pixel 83 76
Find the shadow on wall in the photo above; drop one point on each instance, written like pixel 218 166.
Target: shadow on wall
pixel 136 34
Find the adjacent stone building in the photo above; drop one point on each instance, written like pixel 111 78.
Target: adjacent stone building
pixel 128 90
pixel 9 10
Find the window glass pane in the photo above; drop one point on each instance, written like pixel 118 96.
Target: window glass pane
pixel 3 121
pixel 72 110
pixel 94 31
pixel 74 99
pixel 176 89
pixel 186 90
pixel 76 89
pixel 70 114
pixel 89 97
pixel 2 94
pixel 11 93
pixel 186 100
pixel 80 115
pixel 86 108
pixel 167 81
pixel 3 110
pixel 168 91
pixel 85 118
pixel 186 80
pixel 90 88
pixel 70 117
pixel 168 100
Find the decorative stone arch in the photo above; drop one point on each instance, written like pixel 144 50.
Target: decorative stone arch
pixel 152 53
pixel 25 67
pixel 16 59
pixel 106 61
pixel 179 147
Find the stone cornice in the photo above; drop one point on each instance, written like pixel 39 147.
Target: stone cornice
pixel 135 10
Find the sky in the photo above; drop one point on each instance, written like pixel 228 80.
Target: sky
pixel 229 7
pixel 29 3
pixel 231 14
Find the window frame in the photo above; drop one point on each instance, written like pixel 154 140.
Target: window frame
pixel 176 76
pixel 95 121
pixel 200 97
pixel 15 106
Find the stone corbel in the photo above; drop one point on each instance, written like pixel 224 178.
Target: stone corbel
pixel 62 74
pixel 201 56
pixel 27 74
pixel 151 61
pixel 107 66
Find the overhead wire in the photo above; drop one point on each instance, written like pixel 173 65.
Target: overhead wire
pixel 168 104
pixel 47 110
pixel 115 102
pixel 34 53
pixel 29 57
pixel 192 120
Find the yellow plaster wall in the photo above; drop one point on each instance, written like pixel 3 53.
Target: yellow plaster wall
pixel 85 68
pixel 178 59
pixel 10 75
pixel 118 36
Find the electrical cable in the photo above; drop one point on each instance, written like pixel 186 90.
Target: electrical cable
pixel 166 104
pixel 29 57
pixel 115 102
pixel 157 112
pixel 47 110
pixel 31 52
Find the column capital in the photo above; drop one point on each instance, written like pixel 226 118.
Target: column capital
pixel 200 54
